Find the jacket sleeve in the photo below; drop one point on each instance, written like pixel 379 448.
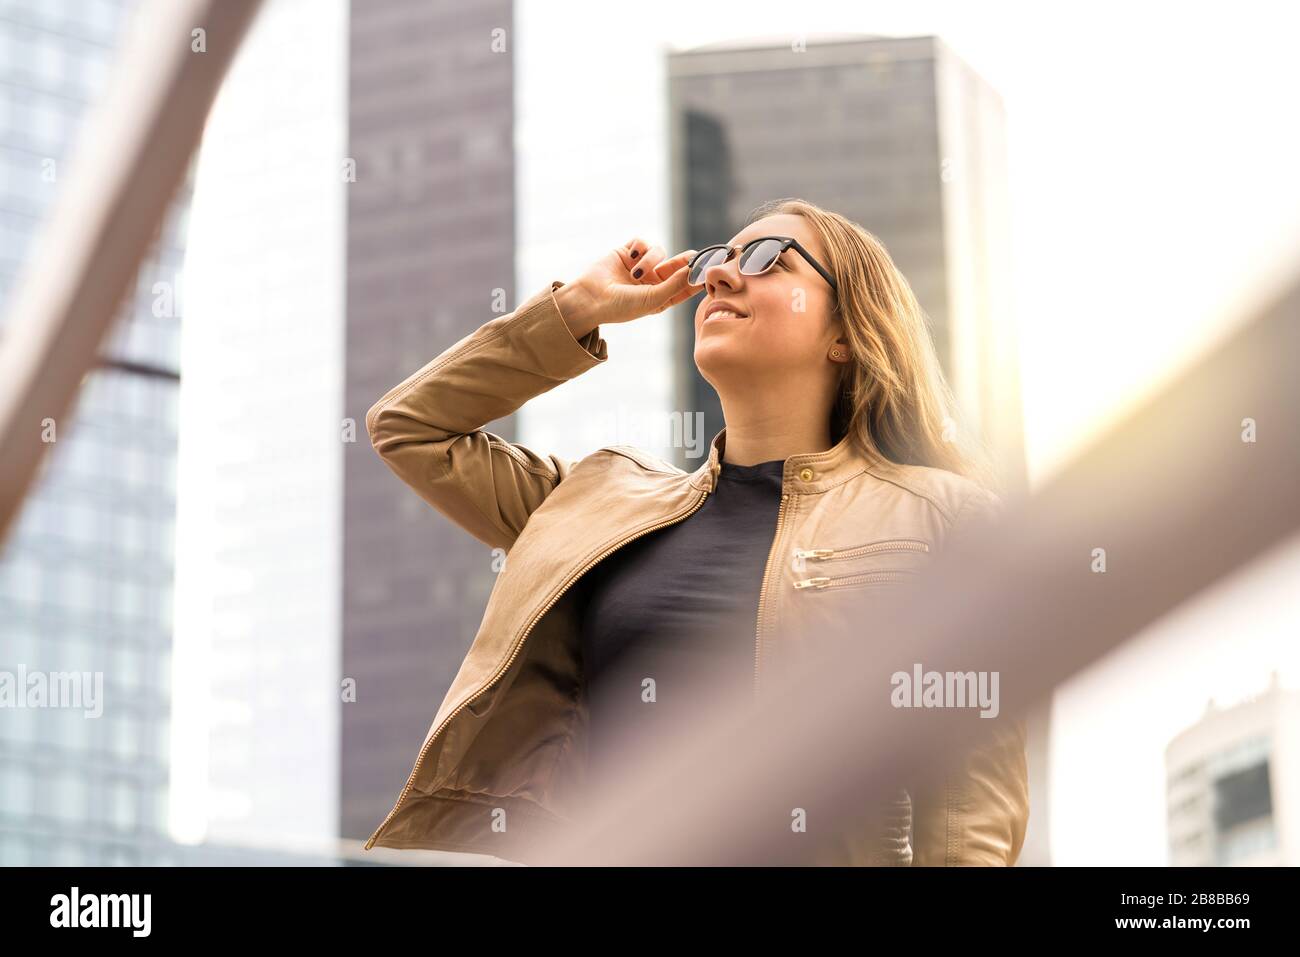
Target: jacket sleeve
pixel 978 813
pixel 428 429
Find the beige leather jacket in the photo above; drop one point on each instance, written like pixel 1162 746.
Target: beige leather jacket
pixel 508 742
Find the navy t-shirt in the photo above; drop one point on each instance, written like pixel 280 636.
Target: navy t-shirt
pixel 679 606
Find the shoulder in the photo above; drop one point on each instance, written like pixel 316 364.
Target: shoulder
pixel 642 460
pixel 954 497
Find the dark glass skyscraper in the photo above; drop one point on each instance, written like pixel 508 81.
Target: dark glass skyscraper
pixel 430 256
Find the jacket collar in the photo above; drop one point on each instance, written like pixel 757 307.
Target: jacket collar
pixel 806 473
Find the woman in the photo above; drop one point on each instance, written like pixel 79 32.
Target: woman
pixel 632 588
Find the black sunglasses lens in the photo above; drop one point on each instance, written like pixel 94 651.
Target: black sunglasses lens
pixel 707 258
pixel 759 257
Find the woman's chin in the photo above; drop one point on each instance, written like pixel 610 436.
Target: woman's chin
pixel 713 362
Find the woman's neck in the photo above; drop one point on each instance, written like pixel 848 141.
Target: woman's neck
pixel 749 442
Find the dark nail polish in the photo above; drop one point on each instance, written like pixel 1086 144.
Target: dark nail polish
pixel 635 254
pixel 636 273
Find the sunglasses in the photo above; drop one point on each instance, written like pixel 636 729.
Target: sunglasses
pixel 756 257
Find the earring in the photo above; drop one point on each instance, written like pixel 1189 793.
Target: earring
pixel 835 353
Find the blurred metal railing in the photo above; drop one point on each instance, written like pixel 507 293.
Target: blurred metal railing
pixel 131 157
pixel 1175 495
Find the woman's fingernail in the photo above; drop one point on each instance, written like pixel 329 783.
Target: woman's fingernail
pixel 635 254
pixel 636 273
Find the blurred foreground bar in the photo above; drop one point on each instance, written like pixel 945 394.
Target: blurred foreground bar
pixel 130 159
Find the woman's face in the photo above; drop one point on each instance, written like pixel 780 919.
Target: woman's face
pixel 785 322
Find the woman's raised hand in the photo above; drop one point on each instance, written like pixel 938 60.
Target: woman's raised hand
pixel 628 282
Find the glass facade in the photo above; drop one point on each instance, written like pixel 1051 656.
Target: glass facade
pixel 1227 785
pixel 257 703
pixel 86 570
pixel 430 237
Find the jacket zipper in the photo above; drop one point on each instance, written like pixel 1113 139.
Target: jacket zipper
pixel 866 578
pixel 758 628
pixel 893 545
pixel 410 781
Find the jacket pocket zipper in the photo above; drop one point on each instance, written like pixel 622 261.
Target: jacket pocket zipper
pixel 892 545
pixel 867 578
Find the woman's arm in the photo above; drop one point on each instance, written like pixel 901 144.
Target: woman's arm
pixel 428 429
pixel 978 814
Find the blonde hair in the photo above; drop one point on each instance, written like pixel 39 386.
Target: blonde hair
pixel 892 395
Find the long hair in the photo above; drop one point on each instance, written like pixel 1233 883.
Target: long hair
pixel 892 395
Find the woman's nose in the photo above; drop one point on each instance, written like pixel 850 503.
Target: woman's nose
pixel 725 274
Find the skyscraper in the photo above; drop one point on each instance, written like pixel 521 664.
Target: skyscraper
pixel 86 572
pixel 259 578
pixel 430 257
pixel 1231 783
